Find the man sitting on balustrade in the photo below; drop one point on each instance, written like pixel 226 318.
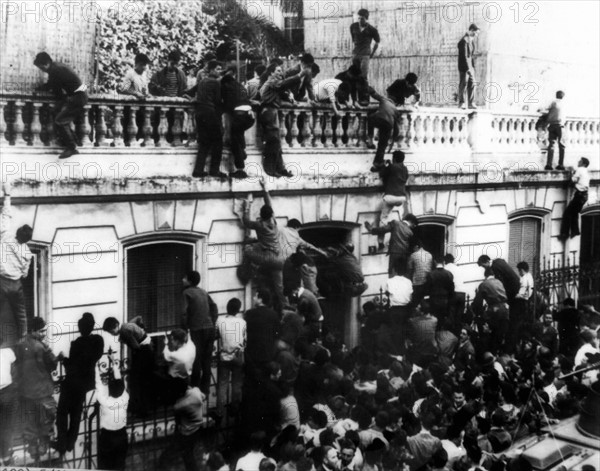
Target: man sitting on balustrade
pixel 72 95
pixel 306 85
pixel 359 89
pixel 269 118
pixel 135 83
pixel 209 111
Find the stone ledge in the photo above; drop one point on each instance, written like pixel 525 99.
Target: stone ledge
pixel 161 188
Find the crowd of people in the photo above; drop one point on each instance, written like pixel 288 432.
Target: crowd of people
pixel 436 382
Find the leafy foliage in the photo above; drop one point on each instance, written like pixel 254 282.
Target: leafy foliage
pixel 196 28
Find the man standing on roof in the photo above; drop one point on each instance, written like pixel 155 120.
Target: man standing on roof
pixel 363 34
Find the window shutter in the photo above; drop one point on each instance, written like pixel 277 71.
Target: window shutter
pixel 524 243
pixel 154 283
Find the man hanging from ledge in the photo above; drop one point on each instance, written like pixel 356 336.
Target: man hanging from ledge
pixel 266 253
pixel 72 98
pixel 15 258
pixel 569 226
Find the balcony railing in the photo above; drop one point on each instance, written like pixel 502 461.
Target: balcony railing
pixel 109 122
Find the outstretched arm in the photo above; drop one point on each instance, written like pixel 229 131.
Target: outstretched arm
pixel 267 196
pixel 6 213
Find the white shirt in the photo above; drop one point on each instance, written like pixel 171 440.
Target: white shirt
pixel 581 178
pixel 250 462
pixel 290 412
pixel 232 331
pixel 454 452
pixel 7 358
pixel 459 282
pixel 181 360
pixel 581 357
pixel 325 89
pixel 15 258
pixel 113 410
pixel 400 289
pixel 526 289
pixel 134 82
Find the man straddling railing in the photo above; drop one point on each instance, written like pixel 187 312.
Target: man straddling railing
pixel 72 94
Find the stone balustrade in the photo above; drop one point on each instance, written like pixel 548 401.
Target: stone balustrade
pixel 169 122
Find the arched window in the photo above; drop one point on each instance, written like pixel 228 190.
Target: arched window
pixel 154 273
pixel 524 242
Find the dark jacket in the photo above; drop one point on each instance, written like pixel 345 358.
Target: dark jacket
pixel 400 90
pixel 208 96
pixel 35 364
pixel 394 177
pixel 440 283
pixel 234 94
pixel 158 82
pixel 466 50
pixel 199 310
pixel 262 327
pixel 400 238
pixel 62 80
pixel 83 356
pixel 359 88
pixel 509 278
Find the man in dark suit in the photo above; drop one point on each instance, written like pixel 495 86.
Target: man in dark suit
pixel 466 67
pixel 84 354
pixel 262 327
pixel 440 287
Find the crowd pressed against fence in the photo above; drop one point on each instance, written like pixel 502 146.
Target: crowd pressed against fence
pixel 433 384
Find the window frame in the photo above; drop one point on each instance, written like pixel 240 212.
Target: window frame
pixel 41 282
pixel 447 222
pixel 541 215
pixel 196 241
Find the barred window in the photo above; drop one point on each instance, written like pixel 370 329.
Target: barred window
pixel 154 283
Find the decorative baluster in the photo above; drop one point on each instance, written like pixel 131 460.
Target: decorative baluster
pixel 418 131
pixel 36 126
pixel 464 131
pixel 328 130
pixel 3 140
pixel 362 131
pixel 83 128
pixel 190 128
pixel 344 133
pixel 19 125
pixel 132 127
pixel 402 132
pixel 147 128
pixel 283 128
pixel 117 127
pixel 428 136
pixel 177 128
pixel 101 127
pixel 48 125
pixel 306 132
pixel 294 130
pixel 163 128
pixel 317 129
pixel 410 131
pixel 351 130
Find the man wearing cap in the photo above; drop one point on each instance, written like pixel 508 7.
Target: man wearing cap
pixel 84 353
pixel 34 366
pixel 466 67
pixel 15 259
pixel 363 34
